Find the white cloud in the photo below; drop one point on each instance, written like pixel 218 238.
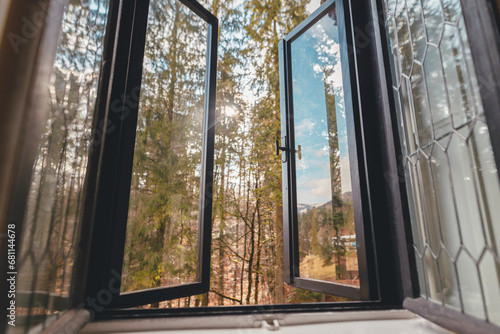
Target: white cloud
pixel 320 188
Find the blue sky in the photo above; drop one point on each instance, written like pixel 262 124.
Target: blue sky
pixel 311 52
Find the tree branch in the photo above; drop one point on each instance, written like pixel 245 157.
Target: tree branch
pixel 227 297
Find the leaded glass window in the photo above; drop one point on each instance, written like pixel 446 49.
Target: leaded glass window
pixel 451 176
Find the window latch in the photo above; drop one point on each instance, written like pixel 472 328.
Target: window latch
pixel 299 152
pixel 281 148
pixel 271 324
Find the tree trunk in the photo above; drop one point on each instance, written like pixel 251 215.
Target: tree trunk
pixel 259 238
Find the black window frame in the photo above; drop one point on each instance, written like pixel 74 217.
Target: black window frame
pixel 361 198
pixel 110 166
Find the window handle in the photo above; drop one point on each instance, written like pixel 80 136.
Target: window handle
pixel 299 152
pixel 281 148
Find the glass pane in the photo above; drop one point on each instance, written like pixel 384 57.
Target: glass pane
pixel 51 221
pixel 421 106
pixel 434 79
pixel 433 17
pixel 417 28
pixel 404 41
pixel 162 231
pixel 459 90
pixel 488 270
pixel 327 240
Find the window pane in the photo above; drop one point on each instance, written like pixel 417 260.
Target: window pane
pixel 162 232
pixel 53 208
pixel 454 190
pixel 327 241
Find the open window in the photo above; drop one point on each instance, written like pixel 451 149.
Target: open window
pixel 325 203
pixel 134 153
pixel 325 200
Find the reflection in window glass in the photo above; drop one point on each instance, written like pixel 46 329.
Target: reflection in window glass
pixel 327 240
pixel 162 232
pixel 53 209
pixel 452 179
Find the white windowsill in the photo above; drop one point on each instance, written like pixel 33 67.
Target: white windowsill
pixel 392 321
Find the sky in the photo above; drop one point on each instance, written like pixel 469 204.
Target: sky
pixel 316 48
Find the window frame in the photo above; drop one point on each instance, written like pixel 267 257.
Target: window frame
pixel 110 166
pixel 361 197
